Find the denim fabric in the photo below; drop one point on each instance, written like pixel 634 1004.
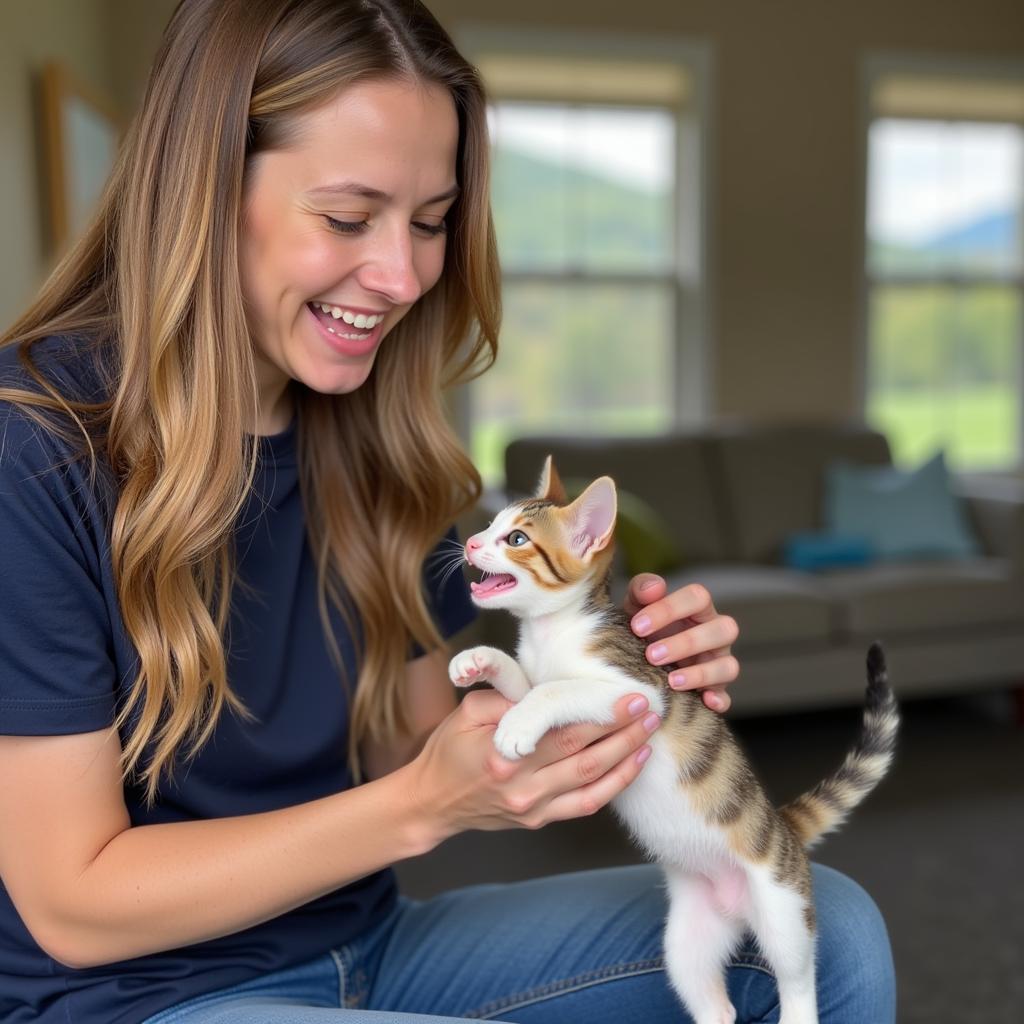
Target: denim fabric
pixel 583 947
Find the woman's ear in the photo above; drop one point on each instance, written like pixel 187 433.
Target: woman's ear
pixel 550 486
pixel 592 517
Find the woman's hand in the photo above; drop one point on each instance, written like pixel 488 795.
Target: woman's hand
pixel 459 781
pixel 687 635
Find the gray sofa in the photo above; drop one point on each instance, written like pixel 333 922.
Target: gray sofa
pixel 732 494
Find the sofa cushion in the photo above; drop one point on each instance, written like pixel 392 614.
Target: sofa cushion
pixel 904 514
pixel 669 472
pixel 772 479
pixel 771 605
pixel 909 597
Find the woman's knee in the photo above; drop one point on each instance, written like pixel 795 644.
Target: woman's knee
pixel 856 978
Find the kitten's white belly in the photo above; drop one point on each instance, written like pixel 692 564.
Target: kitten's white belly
pixel 658 813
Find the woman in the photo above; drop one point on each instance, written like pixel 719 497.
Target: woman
pixel 226 465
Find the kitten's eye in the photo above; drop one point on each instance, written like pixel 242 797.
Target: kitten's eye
pixel 516 539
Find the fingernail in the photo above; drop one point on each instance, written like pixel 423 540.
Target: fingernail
pixel 651 722
pixel 677 680
pixel 658 653
pixel 637 705
pixel 648 585
pixel 642 754
pixel 713 699
pixel 642 625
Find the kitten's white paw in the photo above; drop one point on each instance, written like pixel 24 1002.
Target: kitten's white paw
pixel 518 734
pixel 472 666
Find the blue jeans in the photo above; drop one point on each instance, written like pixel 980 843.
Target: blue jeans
pixel 582 947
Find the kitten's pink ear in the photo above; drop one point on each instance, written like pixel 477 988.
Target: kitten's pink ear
pixel 550 486
pixel 592 519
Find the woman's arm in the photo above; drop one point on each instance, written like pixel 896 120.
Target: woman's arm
pixel 92 889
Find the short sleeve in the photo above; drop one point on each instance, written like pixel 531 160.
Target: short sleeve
pixel 446 589
pixel 57 673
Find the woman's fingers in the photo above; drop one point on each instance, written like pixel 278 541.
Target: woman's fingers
pixel 716 698
pixel 690 602
pixel 705 638
pixel 568 740
pixel 643 589
pixel 715 669
pixel 592 796
pixel 597 759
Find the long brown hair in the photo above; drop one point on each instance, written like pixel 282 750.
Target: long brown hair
pixel 157 277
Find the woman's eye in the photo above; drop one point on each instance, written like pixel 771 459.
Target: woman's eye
pixel 354 227
pixel 432 229
pixel 516 539
pixel 345 227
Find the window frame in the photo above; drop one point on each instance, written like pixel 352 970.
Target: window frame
pixel 691 348
pixel 873 67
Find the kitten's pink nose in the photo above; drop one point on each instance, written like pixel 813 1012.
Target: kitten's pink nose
pixel 474 544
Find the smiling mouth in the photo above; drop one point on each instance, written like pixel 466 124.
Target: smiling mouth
pixel 492 583
pixel 339 326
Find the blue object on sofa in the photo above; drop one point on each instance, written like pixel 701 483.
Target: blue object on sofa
pixel 814 550
pixel 904 514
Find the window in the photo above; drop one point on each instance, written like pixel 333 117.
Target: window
pixel 600 244
pixel 945 266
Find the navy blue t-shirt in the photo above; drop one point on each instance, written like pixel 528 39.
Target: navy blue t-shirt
pixel 66 665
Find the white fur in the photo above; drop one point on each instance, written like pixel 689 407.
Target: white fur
pixel 713 896
pixel 490 664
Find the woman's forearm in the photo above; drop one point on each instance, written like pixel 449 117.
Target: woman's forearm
pixel 158 887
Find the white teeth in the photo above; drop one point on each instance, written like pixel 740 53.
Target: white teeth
pixel 356 319
pixel 351 337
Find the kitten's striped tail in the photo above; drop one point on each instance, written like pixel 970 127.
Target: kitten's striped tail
pixel 826 807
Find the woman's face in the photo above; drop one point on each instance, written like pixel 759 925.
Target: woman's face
pixel 349 216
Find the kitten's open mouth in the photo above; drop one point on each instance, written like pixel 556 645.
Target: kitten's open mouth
pixel 491 584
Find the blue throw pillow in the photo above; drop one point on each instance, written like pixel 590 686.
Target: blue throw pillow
pixel 903 514
pixel 814 550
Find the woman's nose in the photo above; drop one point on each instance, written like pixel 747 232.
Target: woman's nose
pixel 390 269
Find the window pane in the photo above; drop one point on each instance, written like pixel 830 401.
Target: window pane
pixel 583 188
pixel 575 358
pixel 944 372
pixel 945 197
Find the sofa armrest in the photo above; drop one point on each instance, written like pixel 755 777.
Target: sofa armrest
pixel 996 511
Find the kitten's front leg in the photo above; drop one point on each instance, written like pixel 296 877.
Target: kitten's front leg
pixel 496 667
pixel 549 705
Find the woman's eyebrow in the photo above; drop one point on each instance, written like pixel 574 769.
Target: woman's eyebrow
pixel 354 188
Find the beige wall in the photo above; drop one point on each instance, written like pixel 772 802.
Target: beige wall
pixel 32 32
pixel 787 210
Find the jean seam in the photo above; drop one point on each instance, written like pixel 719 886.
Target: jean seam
pixel 339 965
pixel 564 985
pixel 613 972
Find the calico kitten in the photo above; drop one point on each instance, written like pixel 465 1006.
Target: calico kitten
pixel 732 861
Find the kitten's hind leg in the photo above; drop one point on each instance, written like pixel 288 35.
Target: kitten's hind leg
pixel 782 920
pixel 479 664
pixel 698 941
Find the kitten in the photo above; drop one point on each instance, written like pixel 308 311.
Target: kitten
pixel 732 861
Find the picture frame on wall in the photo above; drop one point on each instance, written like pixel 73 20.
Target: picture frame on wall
pixel 81 130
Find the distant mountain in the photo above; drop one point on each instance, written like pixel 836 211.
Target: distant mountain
pixel 987 243
pixel 552 215
pixel 998 232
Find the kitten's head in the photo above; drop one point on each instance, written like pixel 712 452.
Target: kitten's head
pixel 541 554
